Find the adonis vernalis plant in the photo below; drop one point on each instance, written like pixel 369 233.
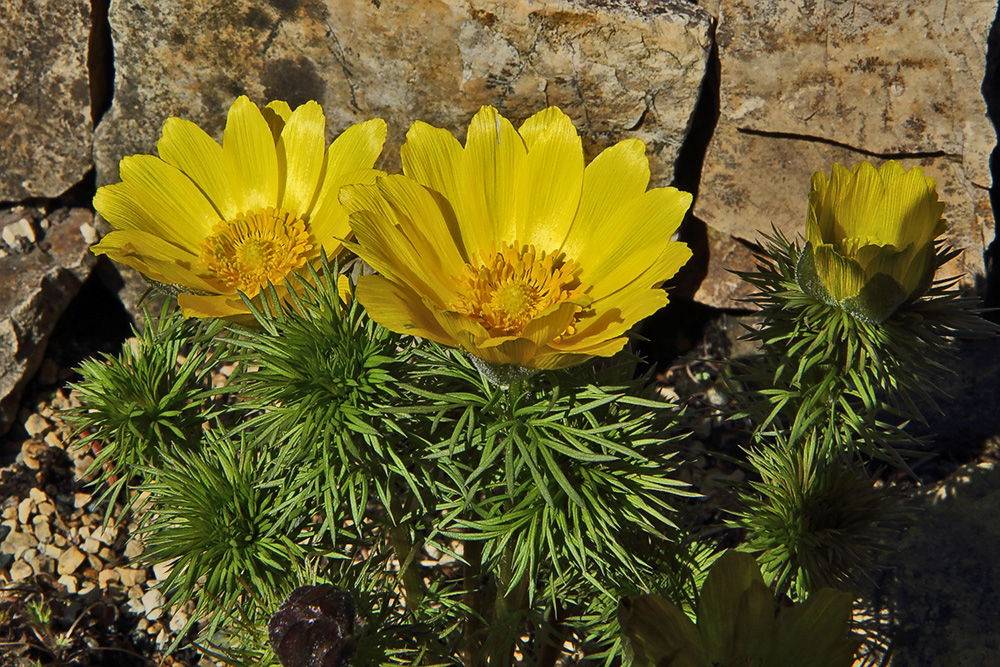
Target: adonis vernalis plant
pixel 454 461
pixel 856 337
pixel 210 221
pixel 509 248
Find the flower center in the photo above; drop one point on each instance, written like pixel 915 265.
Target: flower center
pixel 256 247
pixel 514 284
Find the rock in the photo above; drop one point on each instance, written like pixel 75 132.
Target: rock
pixel 20 235
pixel 45 117
pixel 162 570
pixel 17 542
pixel 36 425
pixel 39 562
pixel 177 621
pixel 81 499
pixel 90 546
pixel 619 68
pixel 25 509
pixel 133 548
pixel 105 535
pixel 71 559
pixel 131 576
pixel 43 532
pixel 36 494
pixel 46 509
pixel 20 571
pixel 38 285
pixel 106 577
pixel 51 550
pixel 804 85
pixel 70 582
pixel 152 604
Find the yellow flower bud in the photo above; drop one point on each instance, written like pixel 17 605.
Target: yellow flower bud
pixel 870 238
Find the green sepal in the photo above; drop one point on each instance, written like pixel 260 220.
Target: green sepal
pixel 881 296
pixel 736 611
pixel 655 633
pixel 815 632
pixel 808 279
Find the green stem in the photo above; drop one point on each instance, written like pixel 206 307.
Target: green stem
pixel 551 640
pixel 473 582
pixel 409 565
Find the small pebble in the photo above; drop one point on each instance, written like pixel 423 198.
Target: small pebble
pixel 90 545
pixel 71 559
pixel 133 548
pixel 38 495
pixel 51 550
pixel 70 582
pixel 53 440
pixel 43 533
pixel 105 534
pixel 131 576
pixel 20 571
pixel 162 570
pixel 24 510
pixel 152 604
pixel 89 233
pixel 81 499
pixel 105 577
pixel 46 508
pixel 36 425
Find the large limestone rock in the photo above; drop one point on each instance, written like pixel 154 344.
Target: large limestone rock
pixel 45 122
pixel 620 68
pixel 43 262
pixel 807 84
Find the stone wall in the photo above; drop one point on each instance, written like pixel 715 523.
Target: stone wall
pixel 796 85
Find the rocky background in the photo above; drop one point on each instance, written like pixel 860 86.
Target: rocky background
pixel 738 101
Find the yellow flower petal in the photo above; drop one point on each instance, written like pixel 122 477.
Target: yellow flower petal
pixel 551 180
pixel 189 148
pixel 276 114
pixel 300 157
pixel 328 220
pixel 631 239
pixel 157 197
pixel 249 157
pixel 355 149
pixel 493 159
pixel 617 174
pixel 400 309
pixel 230 307
pixel 433 157
pixel 390 216
pixel 155 258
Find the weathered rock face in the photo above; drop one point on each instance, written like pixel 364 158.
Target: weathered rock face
pixel 807 84
pixel 44 261
pixel 619 68
pixel 45 121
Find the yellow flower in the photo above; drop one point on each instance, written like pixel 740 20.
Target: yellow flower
pixel 209 220
pixel 509 248
pixel 870 238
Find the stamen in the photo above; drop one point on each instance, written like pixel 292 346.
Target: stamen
pixel 512 285
pixel 256 247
